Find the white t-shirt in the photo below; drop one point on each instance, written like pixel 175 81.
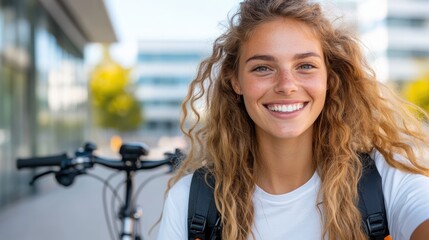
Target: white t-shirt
pixel 294 215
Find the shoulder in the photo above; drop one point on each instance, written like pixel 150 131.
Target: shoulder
pixel 181 188
pixel 396 179
pixel 174 216
pixel 396 176
pixel 406 197
pixel 178 195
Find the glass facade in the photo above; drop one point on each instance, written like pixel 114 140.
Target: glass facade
pixel 410 22
pixel 167 71
pixel 164 80
pixel 169 57
pixel 43 107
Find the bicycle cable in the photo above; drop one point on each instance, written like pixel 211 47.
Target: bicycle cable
pixel 112 206
pixel 106 185
pixel 140 188
pixel 145 182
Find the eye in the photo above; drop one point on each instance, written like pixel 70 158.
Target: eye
pixel 306 67
pixel 261 69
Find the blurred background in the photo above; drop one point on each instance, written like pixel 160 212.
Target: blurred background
pixel 113 71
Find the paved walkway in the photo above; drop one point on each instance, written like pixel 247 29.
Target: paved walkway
pixel 77 212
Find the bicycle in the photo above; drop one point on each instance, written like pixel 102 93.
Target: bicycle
pixel 84 159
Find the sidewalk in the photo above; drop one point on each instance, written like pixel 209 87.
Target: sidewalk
pixel 77 212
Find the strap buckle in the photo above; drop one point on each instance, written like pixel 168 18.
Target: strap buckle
pixel 376 225
pixel 198 223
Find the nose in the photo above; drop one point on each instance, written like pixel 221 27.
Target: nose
pixel 285 83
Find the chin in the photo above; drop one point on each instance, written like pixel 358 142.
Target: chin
pixel 288 134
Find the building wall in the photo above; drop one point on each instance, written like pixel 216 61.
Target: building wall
pixel 42 92
pixel 397 33
pixel 164 71
pixel 407 25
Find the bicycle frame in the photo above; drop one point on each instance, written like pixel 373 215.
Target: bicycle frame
pixel 127 215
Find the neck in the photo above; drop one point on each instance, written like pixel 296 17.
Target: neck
pixel 285 164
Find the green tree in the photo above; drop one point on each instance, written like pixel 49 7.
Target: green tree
pixel 114 104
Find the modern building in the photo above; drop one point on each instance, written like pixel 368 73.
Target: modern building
pixel 407 25
pixel 164 71
pixel 43 82
pixel 395 34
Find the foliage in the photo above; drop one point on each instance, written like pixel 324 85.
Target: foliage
pixel 417 92
pixel 115 106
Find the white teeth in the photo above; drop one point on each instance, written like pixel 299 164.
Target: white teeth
pixel 286 108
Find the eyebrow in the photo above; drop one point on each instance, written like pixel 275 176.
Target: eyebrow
pixel 261 57
pixel 306 55
pixel 295 57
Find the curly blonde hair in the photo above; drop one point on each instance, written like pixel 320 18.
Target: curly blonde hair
pixel 359 115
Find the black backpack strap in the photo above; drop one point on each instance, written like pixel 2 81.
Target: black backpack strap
pixel 204 220
pixel 371 200
pixel 203 217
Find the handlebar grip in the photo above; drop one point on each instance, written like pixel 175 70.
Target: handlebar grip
pixel 40 161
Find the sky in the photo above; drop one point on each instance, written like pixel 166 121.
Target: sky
pixel 139 20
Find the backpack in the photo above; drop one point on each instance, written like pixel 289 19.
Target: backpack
pixel 204 219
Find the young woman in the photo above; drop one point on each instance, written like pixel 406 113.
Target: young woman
pixel 289 104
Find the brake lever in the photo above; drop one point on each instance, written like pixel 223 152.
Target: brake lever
pixel 34 179
pixel 66 177
pixel 175 159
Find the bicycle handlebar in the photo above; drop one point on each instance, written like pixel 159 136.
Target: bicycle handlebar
pixel 41 161
pixel 85 159
pixel 120 165
pixel 63 159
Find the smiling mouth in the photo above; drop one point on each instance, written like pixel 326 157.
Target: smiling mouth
pixel 285 108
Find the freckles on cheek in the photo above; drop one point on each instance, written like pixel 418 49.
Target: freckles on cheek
pixel 320 87
pixel 316 84
pixel 253 88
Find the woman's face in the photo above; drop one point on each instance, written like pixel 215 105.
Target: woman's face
pixel 282 77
